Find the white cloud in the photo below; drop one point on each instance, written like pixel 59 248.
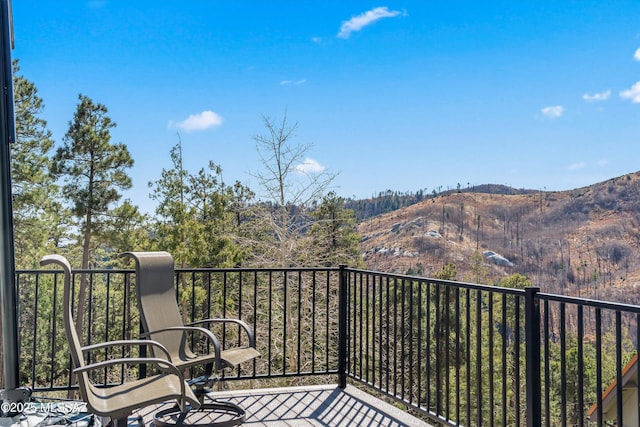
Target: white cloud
pixel 602 96
pixel 636 55
pixel 202 121
pixel 316 40
pixel 602 162
pixel 553 112
pixel 293 82
pixel 633 94
pixel 309 166
pixel 578 165
pixel 357 23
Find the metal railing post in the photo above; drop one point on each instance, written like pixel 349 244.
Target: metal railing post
pixel 532 332
pixel 342 328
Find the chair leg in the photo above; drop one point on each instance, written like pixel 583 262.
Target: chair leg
pixel 119 422
pixel 213 413
pixel 124 422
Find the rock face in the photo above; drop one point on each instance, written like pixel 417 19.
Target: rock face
pixel 497 259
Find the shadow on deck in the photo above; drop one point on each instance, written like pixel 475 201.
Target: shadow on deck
pixel 325 405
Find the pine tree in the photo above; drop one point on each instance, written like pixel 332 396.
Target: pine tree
pixel 126 229
pixel 94 170
pixel 334 237
pixel 198 215
pixel 36 209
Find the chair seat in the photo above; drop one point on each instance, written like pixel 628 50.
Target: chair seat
pixel 235 356
pixel 118 400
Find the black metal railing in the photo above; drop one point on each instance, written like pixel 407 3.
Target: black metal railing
pixel 468 354
pixel 455 353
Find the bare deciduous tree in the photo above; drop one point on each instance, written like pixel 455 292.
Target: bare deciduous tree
pixel 291 184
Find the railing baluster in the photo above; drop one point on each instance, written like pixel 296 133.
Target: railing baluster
pixel 491 362
pixel 361 326
pixel 637 361
pixel 447 351
pixel 327 323
pixel 427 340
pixel 547 368
pixel 458 353
pixel 580 367
pixel 270 321
pixel 479 355
pixel 35 332
pixel 563 366
pixel 438 326
pixel 419 378
pixel 468 354
pixel 343 302
pixel 532 326
pixel 505 341
pixel 313 321
pixel 53 321
pixel 599 366
pixel 373 329
pixel 395 336
pixel 516 359
pixel 381 331
pixel 410 338
pixel 255 326
pixel 403 313
pixel 619 367
pixel 225 290
pixel 285 320
pixel 299 321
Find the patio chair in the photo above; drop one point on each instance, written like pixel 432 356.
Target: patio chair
pixel 162 322
pixel 118 402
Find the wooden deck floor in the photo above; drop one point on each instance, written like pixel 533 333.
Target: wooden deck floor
pixel 308 406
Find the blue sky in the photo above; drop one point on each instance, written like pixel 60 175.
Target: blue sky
pixel 400 95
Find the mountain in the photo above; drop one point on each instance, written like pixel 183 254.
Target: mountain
pixel 582 242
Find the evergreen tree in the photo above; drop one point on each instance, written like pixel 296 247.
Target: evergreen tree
pixel 36 211
pixel 198 215
pixel 93 170
pixel 334 235
pixel 170 191
pixel 126 229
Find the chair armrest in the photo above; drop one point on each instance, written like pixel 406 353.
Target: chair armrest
pixel 207 333
pixel 119 343
pixel 247 328
pixel 162 364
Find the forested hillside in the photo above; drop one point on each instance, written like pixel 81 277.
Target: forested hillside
pixel 389 201
pixel 579 242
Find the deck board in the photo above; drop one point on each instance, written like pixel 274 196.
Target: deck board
pixel 325 406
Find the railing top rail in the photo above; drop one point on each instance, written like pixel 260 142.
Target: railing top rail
pixel 589 302
pixel 465 285
pixel 453 283
pixel 77 271
pixel 185 270
pixel 258 269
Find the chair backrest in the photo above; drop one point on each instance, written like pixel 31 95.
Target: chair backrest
pixel 69 325
pixel 155 279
